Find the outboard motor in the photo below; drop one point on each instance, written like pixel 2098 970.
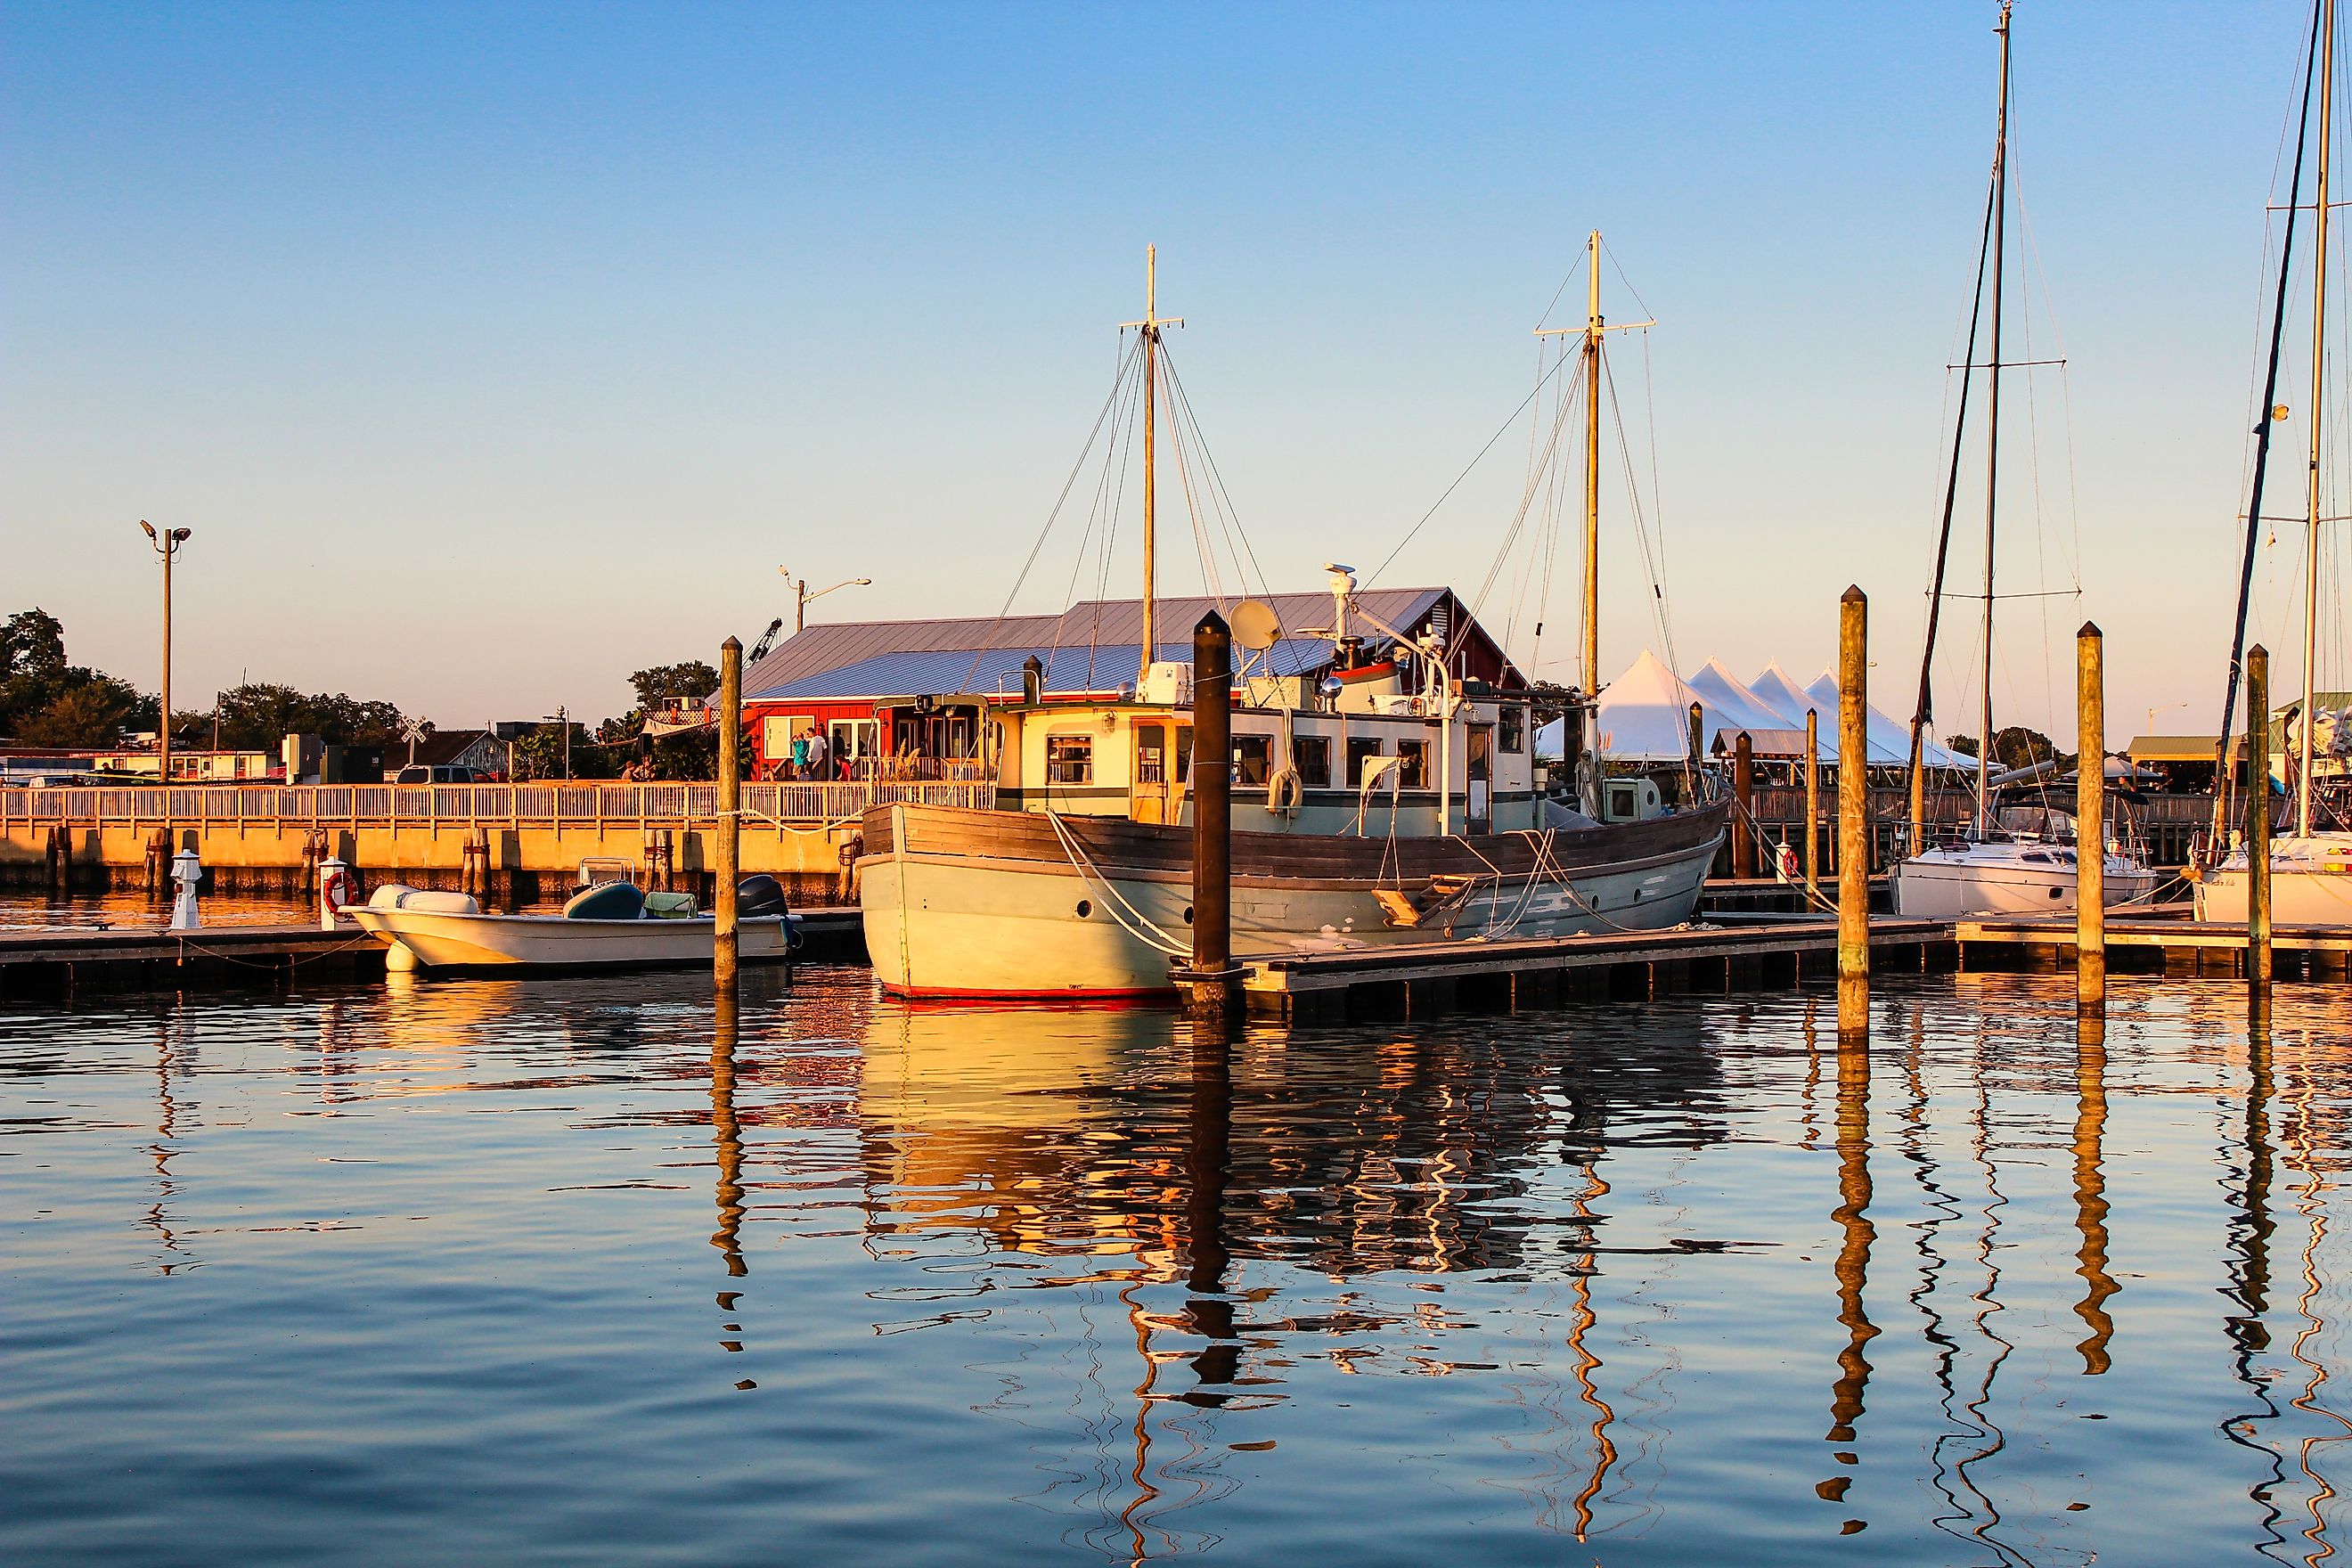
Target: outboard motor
pixel 761 894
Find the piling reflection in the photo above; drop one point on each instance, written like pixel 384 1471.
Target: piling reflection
pixel 1856 1232
pixel 2090 1192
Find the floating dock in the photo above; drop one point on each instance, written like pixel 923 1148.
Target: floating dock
pixel 52 964
pixel 2180 948
pixel 1420 979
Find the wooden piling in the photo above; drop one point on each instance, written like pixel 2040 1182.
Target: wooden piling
pixel 1854 815
pixel 2258 826
pixel 1697 736
pixel 1213 988
pixel 1743 820
pixel 2090 820
pixel 1813 806
pixel 729 858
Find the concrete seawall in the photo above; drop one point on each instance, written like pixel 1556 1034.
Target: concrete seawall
pixel 271 840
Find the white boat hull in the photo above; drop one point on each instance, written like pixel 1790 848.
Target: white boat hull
pixel 435 940
pixel 1950 887
pixel 967 925
pixel 2310 883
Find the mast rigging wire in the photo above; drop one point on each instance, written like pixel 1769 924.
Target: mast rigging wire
pixel 2263 443
pixel 1118 380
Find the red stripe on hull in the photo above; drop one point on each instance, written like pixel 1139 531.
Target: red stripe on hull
pixel 950 996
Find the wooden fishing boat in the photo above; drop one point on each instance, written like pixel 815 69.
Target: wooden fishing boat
pixel 1002 904
pixel 1380 796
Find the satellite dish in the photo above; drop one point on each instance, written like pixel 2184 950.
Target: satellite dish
pixel 1255 625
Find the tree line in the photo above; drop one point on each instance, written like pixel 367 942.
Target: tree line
pixel 46 700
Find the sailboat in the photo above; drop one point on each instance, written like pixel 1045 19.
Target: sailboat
pixel 1388 800
pixel 2311 865
pixel 1991 869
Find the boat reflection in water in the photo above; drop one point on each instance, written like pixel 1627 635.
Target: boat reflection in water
pixel 1666 1280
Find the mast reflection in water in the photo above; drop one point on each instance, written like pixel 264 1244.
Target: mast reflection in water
pixel 592 1269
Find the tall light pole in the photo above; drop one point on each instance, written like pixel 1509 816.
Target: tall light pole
pixel 802 598
pixel 167 544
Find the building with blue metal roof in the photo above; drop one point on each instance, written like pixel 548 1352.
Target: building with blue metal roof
pixel 848 698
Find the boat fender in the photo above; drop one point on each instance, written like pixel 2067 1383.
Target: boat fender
pixel 1285 792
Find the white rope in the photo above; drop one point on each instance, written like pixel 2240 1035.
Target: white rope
pixel 1153 936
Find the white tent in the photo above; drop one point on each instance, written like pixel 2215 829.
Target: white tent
pixel 1644 716
pixel 1889 741
pixel 1732 707
pixel 1781 690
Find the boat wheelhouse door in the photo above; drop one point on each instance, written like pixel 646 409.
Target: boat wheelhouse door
pixel 1482 778
pixel 1150 784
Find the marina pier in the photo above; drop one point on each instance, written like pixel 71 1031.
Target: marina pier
pixel 271 838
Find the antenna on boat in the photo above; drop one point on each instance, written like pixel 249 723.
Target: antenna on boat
pixel 1150 327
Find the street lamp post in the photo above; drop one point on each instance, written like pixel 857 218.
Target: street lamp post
pixel 802 598
pixel 167 544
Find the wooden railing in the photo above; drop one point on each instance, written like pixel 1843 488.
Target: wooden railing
pixel 457 805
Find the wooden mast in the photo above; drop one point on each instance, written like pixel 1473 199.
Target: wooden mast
pixel 2318 388
pixel 1992 432
pixel 1149 326
pixel 1592 330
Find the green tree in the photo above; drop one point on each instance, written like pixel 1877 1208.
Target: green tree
pixel 2013 747
pixel 90 712
pixel 693 678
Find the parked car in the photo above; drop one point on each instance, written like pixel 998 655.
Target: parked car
pixel 419 772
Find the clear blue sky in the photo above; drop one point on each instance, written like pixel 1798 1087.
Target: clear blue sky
pixel 494 351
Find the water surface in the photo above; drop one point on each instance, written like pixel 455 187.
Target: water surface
pixel 589 1271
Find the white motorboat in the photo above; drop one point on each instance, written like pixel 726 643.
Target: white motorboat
pixel 425 930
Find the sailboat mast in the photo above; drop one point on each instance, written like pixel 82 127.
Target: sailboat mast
pixel 1992 432
pixel 2318 426
pixel 1151 471
pixel 1592 330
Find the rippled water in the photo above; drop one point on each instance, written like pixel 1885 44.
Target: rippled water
pixel 473 1270
pixel 127 909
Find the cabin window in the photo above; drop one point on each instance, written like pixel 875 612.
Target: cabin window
pixel 1070 759
pixel 1183 752
pixel 1416 766
pixel 1311 755
pixel 1151 755
pixel 1253 759
pixel 1363 753
pixel 1511 730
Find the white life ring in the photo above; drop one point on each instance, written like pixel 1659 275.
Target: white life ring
pixel 1286 790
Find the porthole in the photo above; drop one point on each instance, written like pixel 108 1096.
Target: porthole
pixel 1188 914
pixel 1086 907
pixel 2057 892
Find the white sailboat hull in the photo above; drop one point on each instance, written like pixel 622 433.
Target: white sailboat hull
pixel 437 939
pixel 2310 883
pixel 1968 883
